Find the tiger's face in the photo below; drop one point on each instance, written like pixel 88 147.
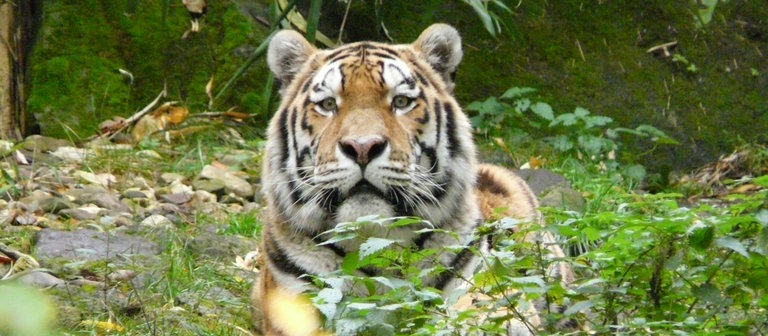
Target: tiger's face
pixel 365 129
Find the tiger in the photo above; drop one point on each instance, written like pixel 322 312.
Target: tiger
pixel 373 128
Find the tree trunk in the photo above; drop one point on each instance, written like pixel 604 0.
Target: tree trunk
pixel 19 21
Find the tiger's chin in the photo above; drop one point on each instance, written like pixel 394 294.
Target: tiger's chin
pixel 363 203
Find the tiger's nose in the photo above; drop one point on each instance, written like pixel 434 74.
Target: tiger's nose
pixel 363 149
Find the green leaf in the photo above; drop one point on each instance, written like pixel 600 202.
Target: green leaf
pixel 373 245
pixel 484 15
pixel 528 280
pixel 580 112
pixel 732 244
pixel 634 171
pixel 543 110
pixel 578 306
pixel 517 92
pixel 701 237
pixel 361 305
pixel 330 295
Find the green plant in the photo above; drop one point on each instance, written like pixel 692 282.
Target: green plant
pixel 653 266
pixel 396 301
pixel 515 117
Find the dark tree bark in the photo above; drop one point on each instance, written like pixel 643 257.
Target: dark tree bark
pixel 19 22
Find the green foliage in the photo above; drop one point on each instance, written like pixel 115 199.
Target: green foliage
pixel 651 266
pixel 397 302
pixel 655 266
pixel 516 117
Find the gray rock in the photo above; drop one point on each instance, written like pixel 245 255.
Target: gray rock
pixel 103 199
pixel 232 182
pixel 176 198
pixel 41 143
pixel 210 244
pixel 213 186
pixel 168 178
pixel 562 197
pixel 157 221
pixel 89 245
pixel 541 179
pixel 80 213
pixel 134 194
pixel 54 204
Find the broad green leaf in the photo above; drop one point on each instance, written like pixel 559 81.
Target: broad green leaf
pixel 732 244
pixel 361 305
pixel 517 92
pixel 761 181
pixel 702 237
pixel 330 295
pixel 373 245
pixel 484 15
pixel 543 110
pixel 706 292
pixel 634 171
pixel 580 112
pixel 578 306
pixel 528 280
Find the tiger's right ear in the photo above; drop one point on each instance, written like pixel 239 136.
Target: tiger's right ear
pixel 287 53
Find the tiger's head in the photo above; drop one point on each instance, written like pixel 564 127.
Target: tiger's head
pixel 368 128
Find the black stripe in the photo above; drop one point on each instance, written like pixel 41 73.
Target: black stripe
pixel 279 259
pixel 422 80
pixel 305 124
pixel 456 266
pixel 422 238
pixel 305 87
pixel 337 54
pixel 450 131
pixel 380 54
pixel 438 121
pixel 283 127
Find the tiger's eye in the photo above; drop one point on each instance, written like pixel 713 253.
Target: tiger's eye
pixel 401 102
pixel 328 104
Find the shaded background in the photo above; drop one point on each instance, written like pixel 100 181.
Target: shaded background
pixel 575 53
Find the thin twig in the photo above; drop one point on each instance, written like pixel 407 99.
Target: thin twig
pixel 344 21
pixel 136 116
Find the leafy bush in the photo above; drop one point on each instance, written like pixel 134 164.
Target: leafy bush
pixel 654 267
pixel 513 116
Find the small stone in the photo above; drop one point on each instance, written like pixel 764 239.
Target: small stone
pixel 563 197
pixel 25 219
pixel 176 198
pixel 541 179
pixel 40 279
pixel 177 187
pixel 203 196
pixel 103 199
pixel 148 153
pixel 168 178
pixel 39 143
pixel 104 180
pixel 83 213
pixel 157 221
pixel 213 186
pixel 232 182
pixel 133 193
pixel 72 154
pixel 54 204
pixel 121 275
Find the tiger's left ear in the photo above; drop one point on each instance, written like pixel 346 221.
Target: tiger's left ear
pixel 440 44
pixel 287 53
